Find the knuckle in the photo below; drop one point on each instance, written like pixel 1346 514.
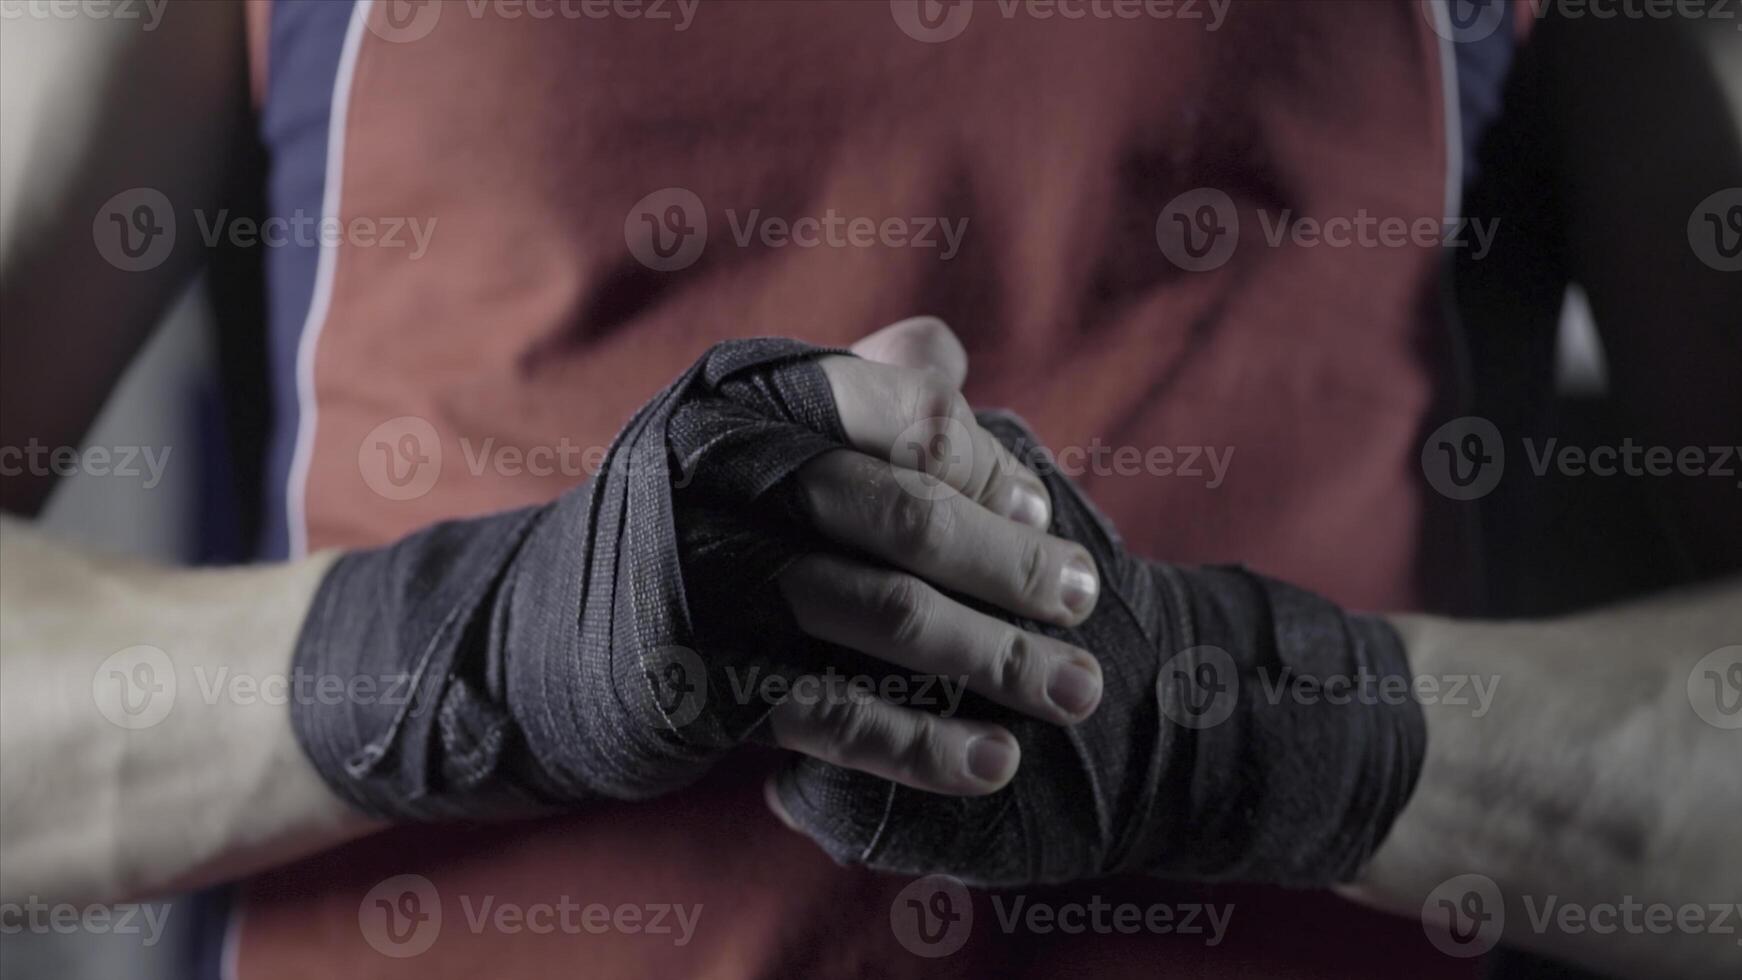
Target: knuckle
pixel 918 527
pixel 903 609
pixel 848 730
pixel 813 497
pixel 959 450
pixel 1031 566
pixel 934 398
pixel 1005 466
pixel 1012 662
pixel 985 473
pixel 923 754
pixel 956 408
pixel 930 333
pixel 818 487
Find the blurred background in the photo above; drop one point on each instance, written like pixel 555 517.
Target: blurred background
pixel 163 400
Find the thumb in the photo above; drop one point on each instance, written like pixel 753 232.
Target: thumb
pixel 923 343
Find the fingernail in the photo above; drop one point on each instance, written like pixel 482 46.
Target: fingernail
pixel 1024 505
pixel 1074 688
pixel 991 759
pixel 1079 584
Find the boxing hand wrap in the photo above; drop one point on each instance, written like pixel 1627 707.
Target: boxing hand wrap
pixel 542 657
pixel 1247 731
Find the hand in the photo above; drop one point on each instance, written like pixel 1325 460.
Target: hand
pixel 1250 731
pixel 979 530
pixel 594 647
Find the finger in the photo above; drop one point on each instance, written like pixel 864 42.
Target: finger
pixel 919 421
pixel 922 343
pixel 900 619
pixel 953 756
pixel 948 540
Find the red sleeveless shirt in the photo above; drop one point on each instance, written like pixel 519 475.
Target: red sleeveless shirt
pixel 1038 175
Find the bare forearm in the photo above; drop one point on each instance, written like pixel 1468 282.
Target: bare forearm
pixel 1588 788
pixel 146 740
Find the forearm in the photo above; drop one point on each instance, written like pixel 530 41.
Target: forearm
pixel 1588 781
pixel 118 780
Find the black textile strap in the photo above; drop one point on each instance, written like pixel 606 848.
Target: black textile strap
pixel 554 654
pixel 1213 754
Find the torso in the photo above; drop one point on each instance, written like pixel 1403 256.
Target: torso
pixel 529 322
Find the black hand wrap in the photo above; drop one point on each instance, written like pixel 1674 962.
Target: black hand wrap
pixel 1247 731
pixel 549 653
pixel 548 650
